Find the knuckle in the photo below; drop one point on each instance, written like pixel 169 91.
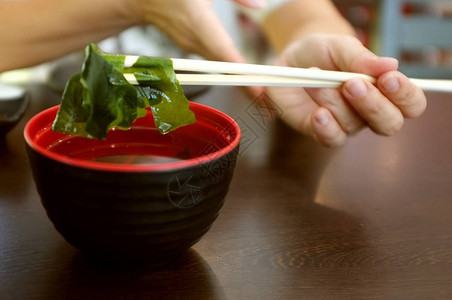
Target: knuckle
pixel 405 98
pixel 333 142
pixel 352 127
pixel 392 127
pixel 396 126
pixel 337 142
pixel 375 110
pixel 415 109
pixel 333 139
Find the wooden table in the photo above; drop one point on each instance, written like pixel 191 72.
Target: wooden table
pixel 372 219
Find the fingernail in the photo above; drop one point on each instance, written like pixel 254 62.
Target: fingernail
pixel 390 83
pixel 356 88
pixel 322 118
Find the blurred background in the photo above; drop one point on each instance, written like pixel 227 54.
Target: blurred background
pixel 417 32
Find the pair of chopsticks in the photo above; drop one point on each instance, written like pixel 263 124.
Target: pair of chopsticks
pixel 239 74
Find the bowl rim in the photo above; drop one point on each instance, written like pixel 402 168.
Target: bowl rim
pixel 133 168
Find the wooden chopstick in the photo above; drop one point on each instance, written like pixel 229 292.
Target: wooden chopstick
pixel 243 80
pixel 194 65
pixel 436 85
pixel 252 80
pixel 240 74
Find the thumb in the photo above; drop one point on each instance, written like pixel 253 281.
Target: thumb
pixel 353 56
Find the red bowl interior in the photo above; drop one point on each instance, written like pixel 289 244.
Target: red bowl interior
pixel 141 148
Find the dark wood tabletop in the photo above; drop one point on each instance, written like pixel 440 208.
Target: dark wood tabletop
pixel 369 220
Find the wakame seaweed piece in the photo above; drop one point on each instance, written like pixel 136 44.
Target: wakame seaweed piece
pixel 69 122
pixel 91 105
pixel 172 111
pixel 101 98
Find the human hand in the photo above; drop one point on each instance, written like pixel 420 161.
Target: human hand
pixel 330 115
pixel 194 26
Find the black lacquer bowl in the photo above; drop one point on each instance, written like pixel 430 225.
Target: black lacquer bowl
pixel 137 196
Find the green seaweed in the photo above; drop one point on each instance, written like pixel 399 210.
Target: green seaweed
pixel 100 98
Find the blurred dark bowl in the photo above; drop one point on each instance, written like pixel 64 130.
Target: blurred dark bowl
pixel 13 104
pixel 138 196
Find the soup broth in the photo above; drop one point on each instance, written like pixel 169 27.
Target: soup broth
pixel 138 145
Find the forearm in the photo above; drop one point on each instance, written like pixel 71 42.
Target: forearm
pixel 297 18
pixel 34 31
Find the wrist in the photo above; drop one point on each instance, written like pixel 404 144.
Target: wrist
pixel 299 18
